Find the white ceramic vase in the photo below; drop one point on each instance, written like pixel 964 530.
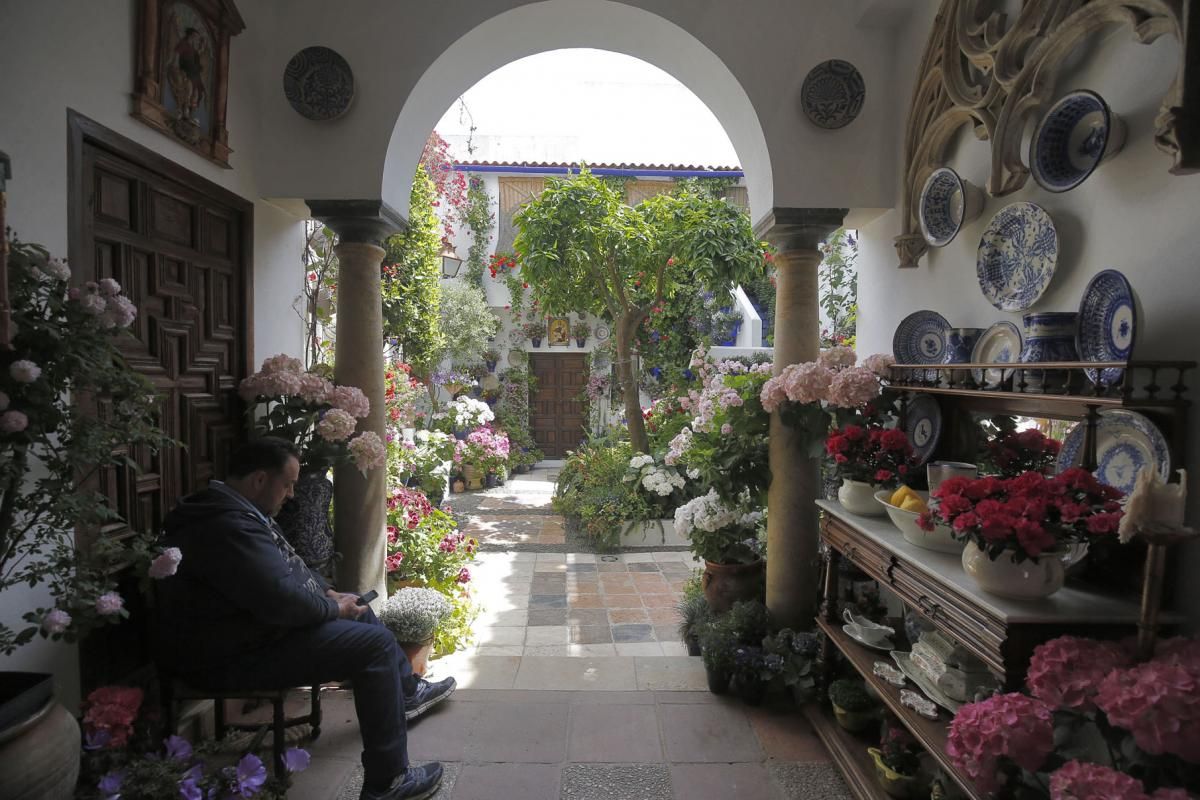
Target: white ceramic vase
pixel 858 497
pixel 1003 576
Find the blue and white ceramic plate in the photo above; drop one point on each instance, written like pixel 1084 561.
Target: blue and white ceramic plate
pixel 1126 443
pixel 920 338
pixel 1017 255
pixel 999 344
pixel 832 94
pixel 947 203
pixel 923 424
pixel 1071 139
pixel 1107 325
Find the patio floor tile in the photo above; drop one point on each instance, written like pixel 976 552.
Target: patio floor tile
pixel 609 733
pixel 708 733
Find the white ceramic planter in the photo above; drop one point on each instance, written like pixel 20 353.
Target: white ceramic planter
pixel 858 497
pixel 1006 578
pixel 646 533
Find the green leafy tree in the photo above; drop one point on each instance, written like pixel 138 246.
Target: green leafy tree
pixel 412 280
pixel 583 249
pixel 838 284
pixel 466 323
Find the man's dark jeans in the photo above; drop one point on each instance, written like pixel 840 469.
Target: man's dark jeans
pixel 362 651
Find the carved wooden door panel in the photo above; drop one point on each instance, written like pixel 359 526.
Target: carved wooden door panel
pixel 177 246
pixel 556 415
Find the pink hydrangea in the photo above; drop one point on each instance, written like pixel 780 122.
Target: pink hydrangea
pixel 336 425
pixel 13 422
pixel 837 358
pixel 281 363
pixel 1079 780
pixel 93 304
pixel 1180 650
pixel 1013 725
pixel 879 363
pixel 367 451
pixel 56 621
pixel 166 563
pixel 119 312
pixel 109 603
pixel 58 269
pixel 1168 793
pixel 109 287
pixel 350 399
pixel 806 383
pixel 24 371
pixel 1066 672
pixel 314 389
pixel 1159 703
pixel 853 387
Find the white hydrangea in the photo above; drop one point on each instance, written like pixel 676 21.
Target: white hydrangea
pixel 661 481
pixel 467 412
pixel 639 461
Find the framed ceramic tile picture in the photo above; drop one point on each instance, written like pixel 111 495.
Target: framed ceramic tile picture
pixel 558 332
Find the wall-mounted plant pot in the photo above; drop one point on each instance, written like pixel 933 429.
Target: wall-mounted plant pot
pixel 536 342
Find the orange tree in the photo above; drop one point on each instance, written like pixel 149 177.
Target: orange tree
pixel 583 249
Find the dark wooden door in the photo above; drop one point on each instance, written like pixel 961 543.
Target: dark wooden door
pixel 179 246
pixel 556 415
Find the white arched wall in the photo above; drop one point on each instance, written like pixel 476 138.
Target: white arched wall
pixel 562 24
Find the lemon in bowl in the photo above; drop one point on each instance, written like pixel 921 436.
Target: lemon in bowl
pixel 904 514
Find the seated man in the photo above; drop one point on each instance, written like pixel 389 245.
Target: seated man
pixel 243 611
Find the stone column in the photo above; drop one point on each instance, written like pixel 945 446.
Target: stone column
pixel 359 502
pixel 792 562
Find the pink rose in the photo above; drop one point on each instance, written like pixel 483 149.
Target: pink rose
pixel 24 371
pixel 166 563
pixel 13 422
pixel 56 621
pixel 109 604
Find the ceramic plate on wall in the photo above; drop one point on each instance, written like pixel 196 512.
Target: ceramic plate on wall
pixel 518 358
pixel 1017 255
pixel 601 333
pixel 999 344
pixel 832 94
pixel 1107 325
pixel 318 83
pixel 1126 443
pixel 920 338
pixel 947 203
pixel 1070 141
pixel 923 424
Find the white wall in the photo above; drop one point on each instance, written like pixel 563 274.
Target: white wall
pixel 1130 215
pixel 56 55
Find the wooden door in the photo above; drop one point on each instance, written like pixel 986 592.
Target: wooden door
pixel 556 414
pixel 179 246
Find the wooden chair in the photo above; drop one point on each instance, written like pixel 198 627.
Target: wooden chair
pixel 174 690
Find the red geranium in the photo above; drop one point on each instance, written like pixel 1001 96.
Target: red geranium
pixel 871 454
pixel 1030 513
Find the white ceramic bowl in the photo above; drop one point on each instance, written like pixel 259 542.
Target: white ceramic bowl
pixel 938 539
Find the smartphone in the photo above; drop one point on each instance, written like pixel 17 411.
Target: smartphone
pixel 368 597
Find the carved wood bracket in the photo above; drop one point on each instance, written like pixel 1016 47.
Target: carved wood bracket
pixel 981 70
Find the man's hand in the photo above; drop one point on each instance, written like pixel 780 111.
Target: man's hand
pixel 348 607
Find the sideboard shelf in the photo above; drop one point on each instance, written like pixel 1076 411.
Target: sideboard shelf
pixel 849 753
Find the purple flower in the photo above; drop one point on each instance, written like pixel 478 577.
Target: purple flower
pixel 251 775
pixel 178 748
pixel 296 759
pixel 110 784
pixel 188 790
pixel 97 739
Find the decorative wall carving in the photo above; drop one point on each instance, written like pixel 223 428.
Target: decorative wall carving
pixel 983 70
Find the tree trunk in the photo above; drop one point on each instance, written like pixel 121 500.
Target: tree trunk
pixel 629 385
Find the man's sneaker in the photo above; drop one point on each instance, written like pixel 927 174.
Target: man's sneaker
pixel 415 783
pixel 426 696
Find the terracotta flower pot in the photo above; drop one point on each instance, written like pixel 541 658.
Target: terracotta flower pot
pixel 418 655
pixel 725 584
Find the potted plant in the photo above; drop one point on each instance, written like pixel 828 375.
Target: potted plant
pixel 66 347
pixel 534 330
pixel 1014 452
pixel 581 330
pixel 897 763
pixel 853 708
pixel 465 414
pixel 1019 530
pixel 867 458
pixel 413 615
pixel 798 653
pixel 753 671
pixel 693 612
pixel 491 357
pixel 724 535
pixel 746 623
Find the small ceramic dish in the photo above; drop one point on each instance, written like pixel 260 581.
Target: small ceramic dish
pixel 923 706
pixel 947 203
pixel 889 673
pixel 1075 136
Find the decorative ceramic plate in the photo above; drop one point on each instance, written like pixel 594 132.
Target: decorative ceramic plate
pixel 832 94
pixel 1017 255
pixel 920 338
pixel 885 645
pixel 1070 141
pixel 518 358
pixel 1107 324
pixel 923 424
pixel 601 333
pixel 944 206
pixel 999 344
pixel 318 83
pixel 910 670
pixel 1126 443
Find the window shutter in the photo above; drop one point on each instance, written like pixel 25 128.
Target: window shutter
pixel 514 193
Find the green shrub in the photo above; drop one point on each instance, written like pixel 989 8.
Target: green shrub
pixel 591 489
pixel 850 695
pixel 747 623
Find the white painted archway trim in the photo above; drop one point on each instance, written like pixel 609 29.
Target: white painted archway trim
pixel 560 24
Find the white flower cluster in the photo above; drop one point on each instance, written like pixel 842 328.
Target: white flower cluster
pixel 413 614
pixel 467 412
pixel 706 513
pixel 653 478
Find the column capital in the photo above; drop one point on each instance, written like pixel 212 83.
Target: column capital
pixel 791 229
pixel 364 221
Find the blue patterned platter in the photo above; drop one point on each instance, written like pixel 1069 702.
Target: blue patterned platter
pixel 1070 141
pixel 1017 255
pixel 1126 443
pixel 832 94
pixel 318 83
pixel 999 344
pixel 923 424
pixel 1107 325
pixel 920 338
pixel 947 203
